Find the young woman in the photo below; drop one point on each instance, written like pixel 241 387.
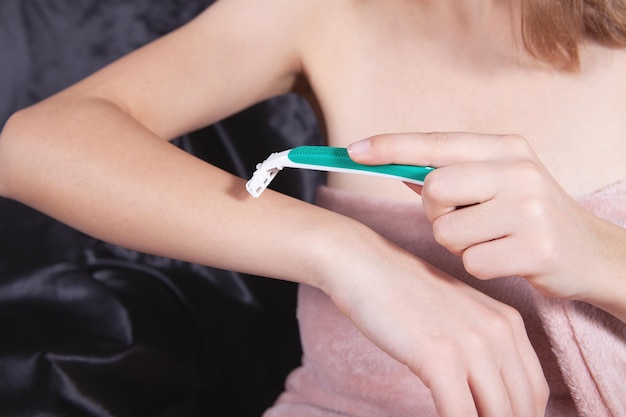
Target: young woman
pixel 538 84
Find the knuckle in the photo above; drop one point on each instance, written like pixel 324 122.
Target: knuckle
pixel 545 248
pixel 546 254
pixel 473 265
pixel 517 144
pixel 534 208
pixel 476 341
pixel 542 394
pixel 428 188
pixel 438 138
pixel 513 317
pixel 437 185
pixel 441 231
pixel 503 323
pixel 530 172
pixel 451 349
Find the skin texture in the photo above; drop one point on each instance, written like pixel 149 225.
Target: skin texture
pixel 96 156
pixel 494 203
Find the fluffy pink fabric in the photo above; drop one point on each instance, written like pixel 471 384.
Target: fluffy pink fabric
pixel 582 349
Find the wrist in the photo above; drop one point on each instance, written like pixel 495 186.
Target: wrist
pixel 339 250
pixel 356 262
pixel 607 280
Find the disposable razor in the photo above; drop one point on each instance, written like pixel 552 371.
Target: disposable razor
pixel 327 158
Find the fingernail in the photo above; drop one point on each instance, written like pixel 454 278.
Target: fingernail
pixel 359 148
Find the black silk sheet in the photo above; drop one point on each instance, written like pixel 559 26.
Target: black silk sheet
pixel 91 329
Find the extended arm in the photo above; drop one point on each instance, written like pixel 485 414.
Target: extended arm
pixel 96 156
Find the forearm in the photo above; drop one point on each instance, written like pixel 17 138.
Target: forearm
pixel 115 180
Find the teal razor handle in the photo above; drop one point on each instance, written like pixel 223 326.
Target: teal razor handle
pixel 326 158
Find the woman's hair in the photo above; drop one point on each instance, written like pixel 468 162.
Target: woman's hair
pixel 553 29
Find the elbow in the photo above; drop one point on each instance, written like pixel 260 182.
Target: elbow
pixel 10 153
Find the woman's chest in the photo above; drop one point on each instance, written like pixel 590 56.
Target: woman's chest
pixel 575 122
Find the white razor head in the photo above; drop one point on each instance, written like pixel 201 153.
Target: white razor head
pixel 260 180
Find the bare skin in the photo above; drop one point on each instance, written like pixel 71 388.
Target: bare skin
pixel 96 157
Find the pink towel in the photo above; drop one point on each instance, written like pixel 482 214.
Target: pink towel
pixel 582 349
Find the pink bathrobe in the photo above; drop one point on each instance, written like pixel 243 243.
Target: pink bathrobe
pixel 582 349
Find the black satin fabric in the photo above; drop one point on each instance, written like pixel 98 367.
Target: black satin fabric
pixel 91 329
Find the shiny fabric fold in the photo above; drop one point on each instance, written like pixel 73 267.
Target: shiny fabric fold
pixel 75 336
pixel 91 329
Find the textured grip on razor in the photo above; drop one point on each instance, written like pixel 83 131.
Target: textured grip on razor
pixel 338 158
